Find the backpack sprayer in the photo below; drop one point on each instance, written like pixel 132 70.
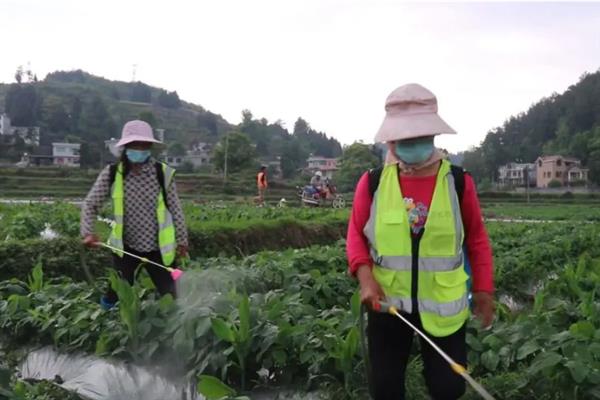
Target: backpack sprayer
pixel 456 367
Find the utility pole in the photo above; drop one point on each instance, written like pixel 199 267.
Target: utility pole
pixel 226 151
pixel 527 182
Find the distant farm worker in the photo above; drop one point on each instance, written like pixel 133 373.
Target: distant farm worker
pixel 261 182
pixel 411 221
pixel 149 221
pixel 317 182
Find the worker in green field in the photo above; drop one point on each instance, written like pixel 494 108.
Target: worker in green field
pixel 148 217
pixel 261 184
pixel 412 222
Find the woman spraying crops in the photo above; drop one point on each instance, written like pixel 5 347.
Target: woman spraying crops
pixel 149 221
pixel 411 221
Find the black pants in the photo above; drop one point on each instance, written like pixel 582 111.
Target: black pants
pixel 127 266
pixel 390 341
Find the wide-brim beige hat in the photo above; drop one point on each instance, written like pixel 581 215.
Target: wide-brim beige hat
pixel 411 112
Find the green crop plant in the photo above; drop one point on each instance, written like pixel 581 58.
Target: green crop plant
pixel 295 324
pixel 129 306
pixel 213 389
pixel 237 333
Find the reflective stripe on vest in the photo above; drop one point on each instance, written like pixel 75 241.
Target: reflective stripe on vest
pixel 166 229
pixel 404 263
pixel 442 291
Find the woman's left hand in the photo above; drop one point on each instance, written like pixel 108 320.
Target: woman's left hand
pixel 484 308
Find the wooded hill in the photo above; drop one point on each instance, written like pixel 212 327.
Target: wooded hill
pixel 79 107
pixel 566 124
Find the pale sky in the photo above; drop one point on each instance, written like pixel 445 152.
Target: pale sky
pixel 333 62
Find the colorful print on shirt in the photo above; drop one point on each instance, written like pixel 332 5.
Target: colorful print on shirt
pixel 417 214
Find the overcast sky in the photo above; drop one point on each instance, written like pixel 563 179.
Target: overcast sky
pixel 331 62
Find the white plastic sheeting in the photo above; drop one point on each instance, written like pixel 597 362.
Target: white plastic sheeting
pixel 287 395
pixel 97 379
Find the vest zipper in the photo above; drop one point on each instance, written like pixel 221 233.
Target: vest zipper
pixel 414 292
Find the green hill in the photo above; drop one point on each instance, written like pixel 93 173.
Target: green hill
pixel 80 107
pixel 566 124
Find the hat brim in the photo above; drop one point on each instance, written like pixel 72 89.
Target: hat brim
pixel 135 138
pixel 400 127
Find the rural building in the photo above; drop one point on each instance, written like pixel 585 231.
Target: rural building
pixel 66 154
pixel 327 166
pixel 516 174
pixel 566 170
pixel 4 125
pixel 29 134
pixel 174 161
pixel 199 156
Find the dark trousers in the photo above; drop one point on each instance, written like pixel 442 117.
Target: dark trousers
pixel 390 341
pixel 127 267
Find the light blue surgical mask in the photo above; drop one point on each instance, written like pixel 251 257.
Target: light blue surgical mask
pixel 415 151
pixel 137 156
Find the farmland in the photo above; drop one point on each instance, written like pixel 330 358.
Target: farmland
pixel 61 183
pixel 283 323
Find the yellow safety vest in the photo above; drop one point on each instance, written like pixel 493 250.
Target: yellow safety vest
pixel 166 229
pixel 436 261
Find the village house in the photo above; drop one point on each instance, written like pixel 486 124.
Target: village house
pixel 566 170
pixel 66 154
pixel 517 174
pixel 327 166
pixel 174 161
pixel 29 134
pixel 198 156
pixel 62 154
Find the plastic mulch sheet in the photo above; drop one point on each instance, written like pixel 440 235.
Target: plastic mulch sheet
pixel 98 379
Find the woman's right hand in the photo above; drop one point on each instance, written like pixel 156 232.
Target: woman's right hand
pixel 91 241
pixel 370 291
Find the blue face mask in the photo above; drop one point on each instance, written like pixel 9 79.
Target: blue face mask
pixel 137 156
pixel 415 151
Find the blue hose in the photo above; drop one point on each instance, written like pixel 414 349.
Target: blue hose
pixel 469 273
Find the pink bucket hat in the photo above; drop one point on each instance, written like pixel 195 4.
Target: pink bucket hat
pixel 136 131
pixel 411 111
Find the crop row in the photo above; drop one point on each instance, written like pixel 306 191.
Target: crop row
pixel 281 319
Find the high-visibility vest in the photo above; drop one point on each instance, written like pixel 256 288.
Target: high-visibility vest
pixel 423 274
pixel 166 230
pixel 259 180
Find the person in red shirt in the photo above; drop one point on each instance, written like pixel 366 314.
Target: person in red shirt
pixel 409 129
pixel 261 183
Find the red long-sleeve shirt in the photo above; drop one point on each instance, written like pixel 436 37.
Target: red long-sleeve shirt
pixel 418 192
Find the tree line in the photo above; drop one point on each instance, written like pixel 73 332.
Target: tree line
pixel 82 108
pixel 256 138
pixel 567 124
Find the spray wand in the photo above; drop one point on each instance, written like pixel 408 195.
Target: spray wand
pixel 175 272
pixel 456 367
